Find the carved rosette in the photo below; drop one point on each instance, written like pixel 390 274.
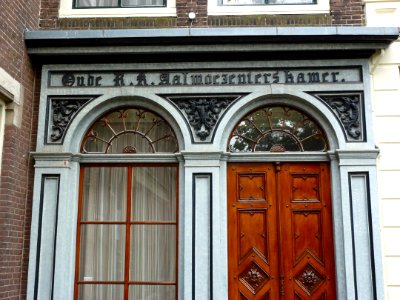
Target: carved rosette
pixel 309 279
pixel 253 277
pixel 62 110
pixel 203 112
pixel 349 109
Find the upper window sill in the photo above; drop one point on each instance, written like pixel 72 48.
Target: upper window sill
pixel 118 12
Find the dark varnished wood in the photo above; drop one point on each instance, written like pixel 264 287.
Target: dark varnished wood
pixel 280 237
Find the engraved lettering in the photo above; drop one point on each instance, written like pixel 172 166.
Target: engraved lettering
pixel 207 79
pixel 249 78
pixel 257 78
pixel 184 78
pixel 90 81
pixel 80 81
pixel 289 77
pixel 241 79
pixel 313 77
pixel 68 79
pixel 231 77
pixel 334 76
pixel 215 79
pixel 97 81
pixel 301 78
pixel 325 77
pixel 176 80
pixel 224 79
pixel 119 79
pixel 275 76
pixel 266 75
pixel 141 79
pixel 197 79
pixel 132 78
pixel 164 79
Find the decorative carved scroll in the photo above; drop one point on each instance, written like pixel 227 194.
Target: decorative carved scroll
pixel 203 112
pixel 62 112
pixel 349 109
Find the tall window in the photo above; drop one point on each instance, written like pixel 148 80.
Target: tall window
pixel 127 219
pixel 117 3
pixel 127 233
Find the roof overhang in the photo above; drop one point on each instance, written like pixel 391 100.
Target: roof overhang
pixel 205 44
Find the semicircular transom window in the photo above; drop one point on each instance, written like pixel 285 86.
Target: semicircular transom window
pixel 130 130
pixel 277 129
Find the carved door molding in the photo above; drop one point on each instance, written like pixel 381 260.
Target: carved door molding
pixel 280 235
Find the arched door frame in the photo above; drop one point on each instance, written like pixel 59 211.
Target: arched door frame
pixel 354 197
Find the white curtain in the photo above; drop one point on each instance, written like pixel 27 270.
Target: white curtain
pixel 152 233
pixel 96 3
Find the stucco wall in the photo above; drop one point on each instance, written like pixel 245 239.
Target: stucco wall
pixel 386 104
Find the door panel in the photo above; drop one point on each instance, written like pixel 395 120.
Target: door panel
pixel 280 231
pixel 252 232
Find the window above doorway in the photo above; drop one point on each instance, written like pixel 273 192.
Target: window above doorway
pixel 277 129
pixel 258 7
pixel 116 8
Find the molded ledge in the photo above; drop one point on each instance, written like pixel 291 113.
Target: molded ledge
pixel 227 42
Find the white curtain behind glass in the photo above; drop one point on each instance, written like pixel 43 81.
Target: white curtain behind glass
pixel 152 246
pixel 96 3
pixel 103 246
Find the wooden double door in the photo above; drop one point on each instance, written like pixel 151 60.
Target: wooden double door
pixel 280 237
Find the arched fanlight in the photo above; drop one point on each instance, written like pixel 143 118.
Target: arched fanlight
pixel 130 130
pixel 277 129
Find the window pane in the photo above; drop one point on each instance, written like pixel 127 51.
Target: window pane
pixel 152 292
pixel 142 3
pixel 102 254
pixel 153 253
pixel 277 129
pixel 154 194
pixel 96 3
pixel 130 131
pixel 101 291
pixel 104 194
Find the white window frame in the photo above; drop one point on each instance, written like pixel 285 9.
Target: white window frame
pixel 67 11
pixel 215 7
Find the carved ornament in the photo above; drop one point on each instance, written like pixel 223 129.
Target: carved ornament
pixel 62 112
pixel 203 112
pixel 348 108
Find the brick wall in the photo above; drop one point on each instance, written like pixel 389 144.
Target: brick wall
pixel 347 12
pixel 343 12
pixel 17 171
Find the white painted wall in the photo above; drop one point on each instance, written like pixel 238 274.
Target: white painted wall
pixel 386 105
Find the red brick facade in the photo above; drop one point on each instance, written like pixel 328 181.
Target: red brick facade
pixel 16 178
pixel 343 12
